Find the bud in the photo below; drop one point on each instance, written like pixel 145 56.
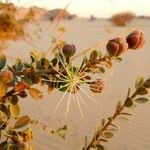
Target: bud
pixel 97 86
pixel 6 76
pixel 116 46
pixel 69 50
pixel 135 40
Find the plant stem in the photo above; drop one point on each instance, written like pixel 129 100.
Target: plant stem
pixel 110 121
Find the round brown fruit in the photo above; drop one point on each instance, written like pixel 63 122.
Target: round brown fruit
pixel 135 40
pixel 116 47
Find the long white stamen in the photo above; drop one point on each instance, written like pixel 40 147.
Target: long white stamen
pixel 61 100
pixel 59 72
pixel 88 95
pixel 82 100
pixel 78 102
pixel 64 65
pixel 68 102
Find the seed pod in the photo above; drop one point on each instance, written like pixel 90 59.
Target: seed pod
pixel 6 76
pixel 69 50
pixel 97 86
pixel 135 40
pixel 116 46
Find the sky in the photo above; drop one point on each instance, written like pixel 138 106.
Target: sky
pixel 98 8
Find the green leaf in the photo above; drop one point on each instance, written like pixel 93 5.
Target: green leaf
pixel 44 62
pixel 18 65
pixel 128 102
pixel 54 61
pixel 119 59
pixel 147 83
pixel 141 100
pixel 99 147
pixel 93 55
pixel 127 114
pixel 5 110
pixel 124 119
pixel 100 54
pixel 114 125
pixel 142 91
pixel 14 99
pixel 108 135
pixel 139 82
pixel 101 70
pixel 14 110
pixel 84 61
pixel 2 61
pixel 22 122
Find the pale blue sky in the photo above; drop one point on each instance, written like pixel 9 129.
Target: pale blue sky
pixel 100 8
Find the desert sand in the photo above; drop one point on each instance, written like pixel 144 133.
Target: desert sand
pixel 134 135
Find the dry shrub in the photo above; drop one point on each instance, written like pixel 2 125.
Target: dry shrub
pixel 121 19
pixel 10 28
pixel 30 16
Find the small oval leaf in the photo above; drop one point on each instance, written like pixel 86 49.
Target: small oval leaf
pixel 2 61
pixel 128 102
pixel 22 122
pixel 147 83
pixel 141 100
pixel 108 135
pixel 14 110
pixel 142 91
pixel 93 55
pixel 35 93
pixel 3 89
pixel 139 82
pixel 99 147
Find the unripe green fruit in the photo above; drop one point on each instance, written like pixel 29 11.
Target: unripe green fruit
pixel 69 50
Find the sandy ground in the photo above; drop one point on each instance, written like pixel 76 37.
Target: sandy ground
pixel 134 135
